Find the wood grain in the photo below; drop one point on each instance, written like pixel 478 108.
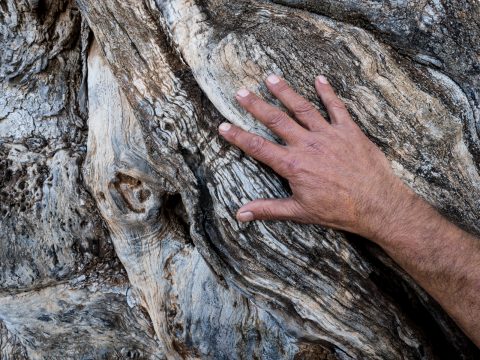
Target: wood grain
pixel 118 197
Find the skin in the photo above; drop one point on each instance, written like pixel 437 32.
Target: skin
pixel 340 179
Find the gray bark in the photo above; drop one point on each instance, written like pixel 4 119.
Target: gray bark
pixel 117 197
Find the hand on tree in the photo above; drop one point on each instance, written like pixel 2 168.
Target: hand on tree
pixel 338 177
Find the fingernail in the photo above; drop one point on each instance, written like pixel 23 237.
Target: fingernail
pixel 322 79
pixel 243 92
pixel 273 79
pixel 245 216
pixel 224 127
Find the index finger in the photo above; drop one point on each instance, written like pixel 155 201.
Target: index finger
pixel 263 150
pixel 275 119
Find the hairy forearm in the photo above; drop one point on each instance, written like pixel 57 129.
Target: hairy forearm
pixel 340 179
pixel 442 258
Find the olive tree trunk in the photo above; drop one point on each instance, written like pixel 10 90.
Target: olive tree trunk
pixel 118 237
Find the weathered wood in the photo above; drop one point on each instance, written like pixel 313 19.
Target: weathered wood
pixel 442 35
pixel 117 138
pixel 86 320
pixel 62 289
pixel 192 314
pixel 10 346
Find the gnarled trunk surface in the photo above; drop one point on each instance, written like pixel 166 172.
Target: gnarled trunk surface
pixel 118 198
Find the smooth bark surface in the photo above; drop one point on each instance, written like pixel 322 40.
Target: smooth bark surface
pixel 117 204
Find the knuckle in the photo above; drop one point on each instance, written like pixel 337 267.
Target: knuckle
pixel 313 145
pixel 276 118
pixel 267 212
pixel 297 211
pixel 282 86
pixel 252 100
pixel 256 144
pixel 292 166
pixel 336 104
pixel 303 107
pixel 233 134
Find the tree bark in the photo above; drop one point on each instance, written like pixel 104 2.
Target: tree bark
pixel 117 204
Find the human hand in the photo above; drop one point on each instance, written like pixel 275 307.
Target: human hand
pixel 338 177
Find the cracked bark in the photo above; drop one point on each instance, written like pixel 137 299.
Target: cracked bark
pixel 118 197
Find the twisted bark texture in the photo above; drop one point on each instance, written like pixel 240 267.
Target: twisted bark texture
pixel 117 203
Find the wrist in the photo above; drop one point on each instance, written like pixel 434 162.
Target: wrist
pixel 390 213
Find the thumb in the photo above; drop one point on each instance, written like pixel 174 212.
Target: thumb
pixel 269 209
